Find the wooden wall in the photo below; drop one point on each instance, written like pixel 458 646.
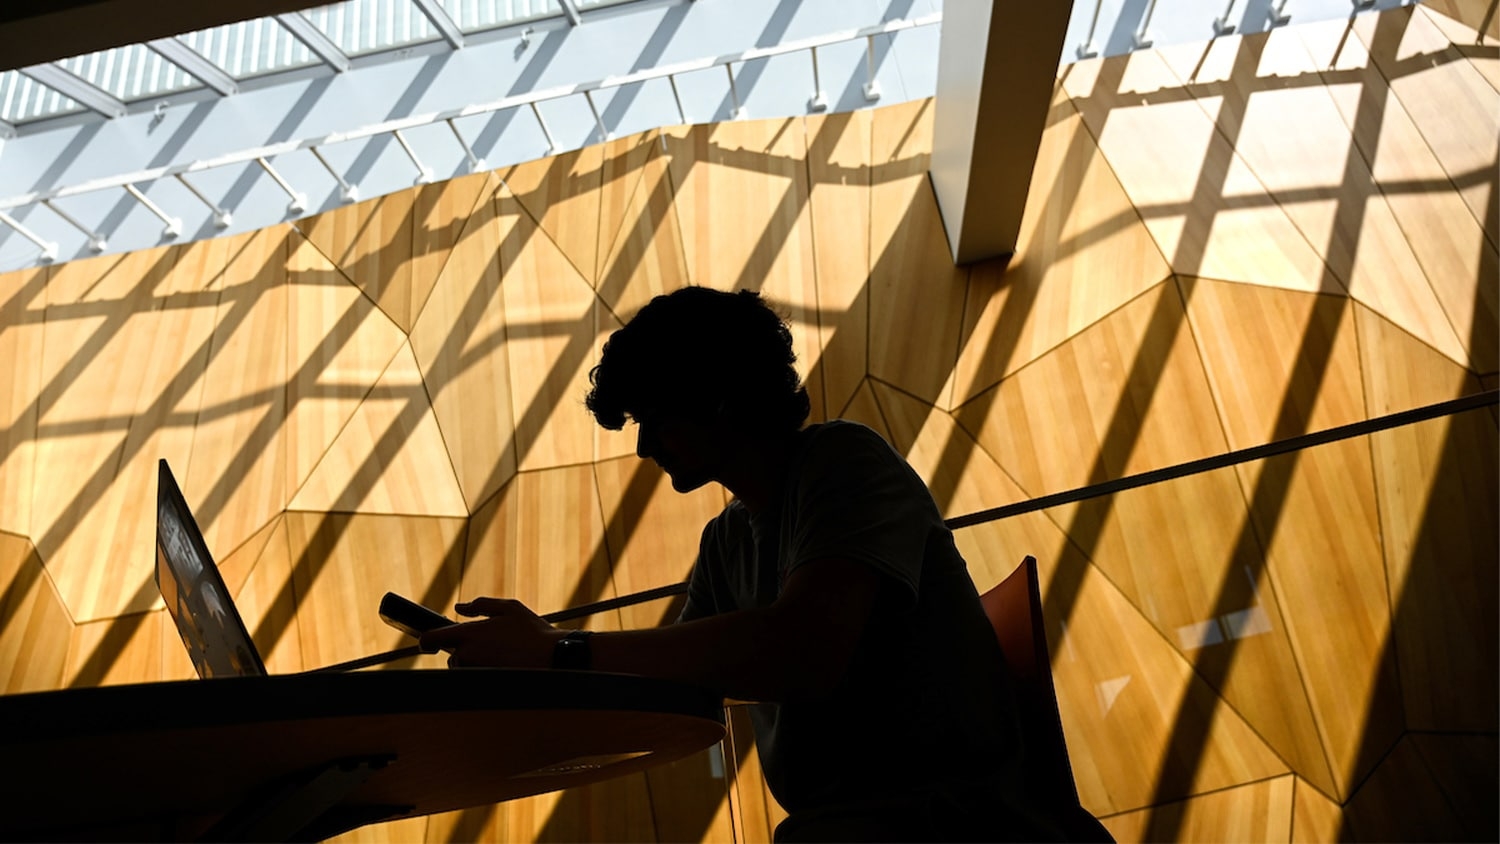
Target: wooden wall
pixel 1225 244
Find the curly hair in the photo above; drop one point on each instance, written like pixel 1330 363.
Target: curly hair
pixel 700 352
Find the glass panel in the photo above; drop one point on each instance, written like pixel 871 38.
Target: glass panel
pixel 365 26
pixel 250 48
pixel 594 4
pixel 23 98
pixel 472 15
pixel 130 73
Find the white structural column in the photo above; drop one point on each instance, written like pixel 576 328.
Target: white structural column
pixel 996 70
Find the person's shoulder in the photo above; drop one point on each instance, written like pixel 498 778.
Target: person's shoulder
pixel 731 521
pixel 844 434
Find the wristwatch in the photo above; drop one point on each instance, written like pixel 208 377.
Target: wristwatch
pixel 572 651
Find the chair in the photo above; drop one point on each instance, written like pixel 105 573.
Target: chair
pixel 1014 608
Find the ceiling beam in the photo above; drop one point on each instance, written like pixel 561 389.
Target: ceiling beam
pixel 994 88
pixel 85 94
pixel 571 10
pixel 444 23
pixel 321 45
pixel 35 32
pixel 201 69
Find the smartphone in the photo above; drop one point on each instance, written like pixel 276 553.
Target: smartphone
pixel 410 617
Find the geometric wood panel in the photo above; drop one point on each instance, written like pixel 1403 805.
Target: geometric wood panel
pixel 1083 252
pixel 267 602
pixel 1280 362
pixel 1207 211
pixel 1464 767
pixel 1315 818
pixel 1123 396
pixel 1123 691
pixel 390 456
pixel 1315 511
pixel 1183 554
pixel 341 566
pixel 1437 488
pixel 541 542
pixel 459 341
pixel 916 293
pixel 371 244
pixel 621 174
pixel 1402 801
pixel 562 193
pixel 439 213
pixel 839 174
pixel 1258 811
pixel 34 626
pixel 644 257
pixel 116 651
pixel 338 345
pixel 22 299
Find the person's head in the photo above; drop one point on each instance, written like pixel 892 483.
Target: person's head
pixel 719 363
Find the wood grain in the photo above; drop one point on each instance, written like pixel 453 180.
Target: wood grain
pixel 1083 251
pixel 622 170
pixel 115 651
pixel 1258 811
pixel 371 244
pixel 1401 801
pixel 645 257
pixel 22 303
pixel 268 603
pixel 34 624
pixel 1202 204
pixel 1315 817
pixel 460 345
pixel 562 194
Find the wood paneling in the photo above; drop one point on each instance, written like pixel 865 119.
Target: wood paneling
pixel 1183 554
pixel 541 542
pixel 1205 208
pixel 1122 397
pixel 1259 811
pixel 343 564
pixel 440 213
pixel 1315 818
pixel 1464 767
pixel 1401 801
pixel 1455 109
pixel 460 344
pixel 338 344
pixel 756 812
pixel 1122 691
pixel 1315 511
pixel 390 457
pixel 22 304
pixel 916 293
pixel 1472 14
pixel 863 408
pixel 1401 373
pixel 115 651
pixel 1299 146
pixel 550 341
pixel 651 530
pixel 839 176
pixel 645 256
pixel 1280 363
pixel 268 603
pixel 371 244
pixel 962 478
pixel 1437 492
pixel 1449 243
pixel 614 810
pixel 621 171
pixel 1083 251
pixel 561 193
pixel 34 625
pixel 994 549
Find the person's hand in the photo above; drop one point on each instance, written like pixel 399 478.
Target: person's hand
pixel 510 636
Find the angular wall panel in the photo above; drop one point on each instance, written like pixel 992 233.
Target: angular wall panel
pixel 1401 801
pixel 644 257
pixel 1316 513
pixel 371 244
pixel 561 193
pixel 1122 397
pixel 840 176
pixel 116 651
pixel 1205 208
pixel 1315 818
pixel 916 294
pixel 622 169
pixel 34 625
pixel 390 457
pixel 1464 767
pixel 341 566
pixel 440 214
pixel 1259 811
pixel 268 603
pixel 1083 251
pixel 338 344
pixel 22 303
pixel 460 344
pixel 1281 363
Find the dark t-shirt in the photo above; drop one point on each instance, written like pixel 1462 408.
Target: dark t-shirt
pixel 925 707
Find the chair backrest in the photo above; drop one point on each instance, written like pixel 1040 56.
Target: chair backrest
pixel 1014 608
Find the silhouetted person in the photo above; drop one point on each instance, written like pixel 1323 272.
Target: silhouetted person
pixel 829 589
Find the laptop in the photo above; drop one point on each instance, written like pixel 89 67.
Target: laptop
pixel 210 625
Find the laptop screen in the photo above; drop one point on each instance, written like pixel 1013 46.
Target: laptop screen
pixel 190 583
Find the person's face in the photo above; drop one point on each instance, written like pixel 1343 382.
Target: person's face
pixel 688 450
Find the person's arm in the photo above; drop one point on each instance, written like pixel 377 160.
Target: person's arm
pixel 797 648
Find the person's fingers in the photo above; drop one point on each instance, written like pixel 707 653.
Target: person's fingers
pixel 444 638
pixel 485 606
